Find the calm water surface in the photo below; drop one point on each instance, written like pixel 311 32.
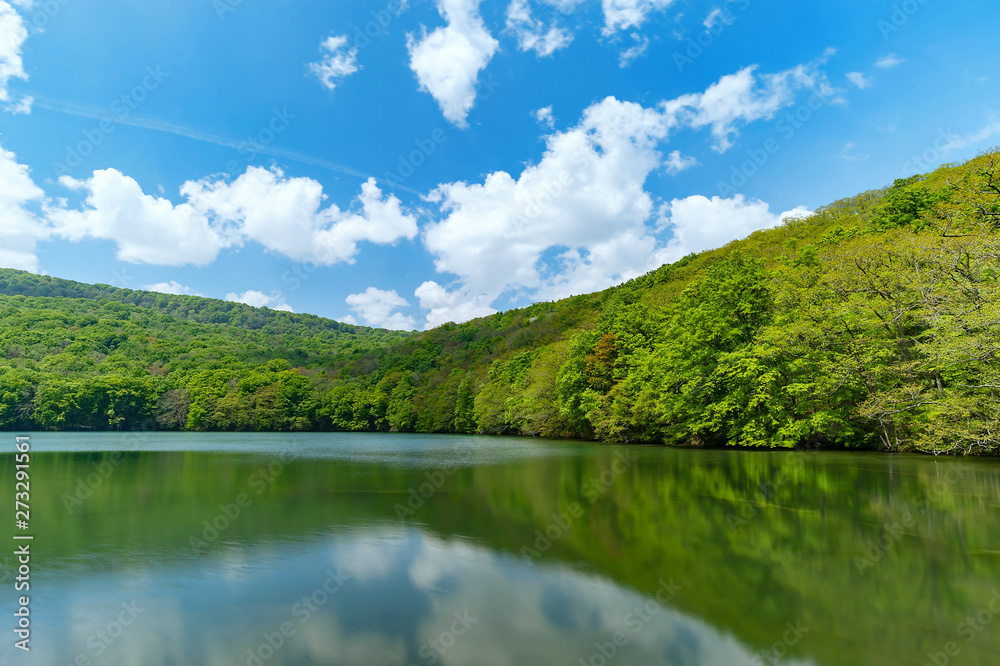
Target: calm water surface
pixel 370 550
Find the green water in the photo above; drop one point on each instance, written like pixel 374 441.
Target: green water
pixel 369 550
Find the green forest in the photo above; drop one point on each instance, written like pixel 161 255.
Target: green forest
pixel 873 324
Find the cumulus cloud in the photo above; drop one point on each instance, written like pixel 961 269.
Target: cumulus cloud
pixel 456 306
pixel 20 229
pixel 626 14
pixel 544 117
pixel 377 308
pixel 147 229
pixel 259 299
pixel 285 215
pixel 745 97
pixel 675 162
pixel 698 223
pixel 173 287
pixel 580 218
pixel 532 34
pixel 447 61
pixel 337 63
pixel 13 34
pixel 494 232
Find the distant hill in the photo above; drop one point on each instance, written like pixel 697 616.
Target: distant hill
pixel 871 324
pixel 189 308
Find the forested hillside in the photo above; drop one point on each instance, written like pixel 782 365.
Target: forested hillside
pixel 873 324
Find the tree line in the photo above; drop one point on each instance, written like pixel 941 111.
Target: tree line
pixel 871 324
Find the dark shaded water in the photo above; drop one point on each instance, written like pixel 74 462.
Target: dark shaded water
pixel 401 549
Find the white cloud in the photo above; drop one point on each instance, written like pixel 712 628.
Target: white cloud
pixel 717 16
pixel 338 62
pixel 283 214
pixel 637 50
pixel 988 131
pixel 848 155
pixel 544 116
pixel 532 34
pixel 447 61
pixel 147 229
pixel 585 196
pixel 580 219
pixel 457 306
pixel 564 6
pixel 675 162
pixel 588 185
pixel 698 223
pixel 625 14
pixel 173 287
pixel 259 299
pixel 20 229
pixel 13 34
pixel 889 61
pixel 744 97
pixel 859 80
pixel 286 216
pixel 21 106
pixel 376 308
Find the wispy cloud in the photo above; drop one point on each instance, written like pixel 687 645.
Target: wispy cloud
pixel 859 79
pixel 989 131
pixel 849 155
pixel 889 61
pixel 97 113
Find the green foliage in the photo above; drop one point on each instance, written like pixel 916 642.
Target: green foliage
pixel 871 324
pixel 907 204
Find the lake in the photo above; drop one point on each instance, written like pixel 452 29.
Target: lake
pixel 385 549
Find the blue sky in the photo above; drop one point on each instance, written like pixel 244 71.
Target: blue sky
pixel 412 163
